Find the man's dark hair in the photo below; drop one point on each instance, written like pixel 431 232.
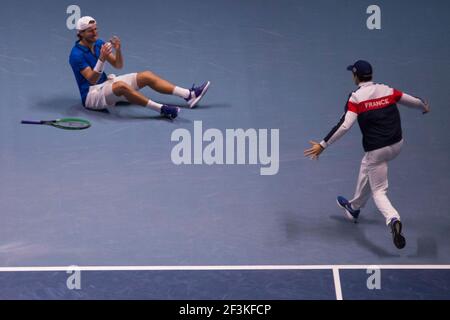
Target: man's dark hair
pixel 363 78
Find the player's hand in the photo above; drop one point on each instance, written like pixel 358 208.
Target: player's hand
pixel 313 152
pixel 426 108
pixel 105 51
pixel 116 43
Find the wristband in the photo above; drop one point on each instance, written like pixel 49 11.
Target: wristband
pixel 100 66
pixel 323 144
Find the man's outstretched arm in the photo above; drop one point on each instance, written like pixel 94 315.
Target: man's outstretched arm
pixel 414 102
pixel 346 122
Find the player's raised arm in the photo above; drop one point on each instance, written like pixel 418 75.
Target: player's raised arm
pixel 414 102
pixel 93 75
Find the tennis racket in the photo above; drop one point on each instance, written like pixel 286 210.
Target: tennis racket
pixel 65 123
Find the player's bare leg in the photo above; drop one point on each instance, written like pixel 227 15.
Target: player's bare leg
pixel 192 96
pixel 121 88
pixel 155 82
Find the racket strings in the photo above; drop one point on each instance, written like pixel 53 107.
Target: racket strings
pixel 72 124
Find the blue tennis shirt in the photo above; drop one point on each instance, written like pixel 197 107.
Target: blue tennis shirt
pixel 82 57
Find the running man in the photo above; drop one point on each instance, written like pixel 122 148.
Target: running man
pixel 375 108
pixel 98 91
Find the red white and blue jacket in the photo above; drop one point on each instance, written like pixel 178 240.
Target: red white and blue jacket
pixel 375 107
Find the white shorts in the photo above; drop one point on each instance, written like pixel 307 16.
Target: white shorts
pixel 101 95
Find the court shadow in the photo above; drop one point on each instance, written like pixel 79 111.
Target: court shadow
pixel 212 106
pixel 61 105
pixel 294 229
pixel 360 238
pixel 199 106
pixel 291 225
pixel 426 248
pixel 362 220
pixel 123 111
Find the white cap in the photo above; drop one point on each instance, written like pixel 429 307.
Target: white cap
pixel 84 23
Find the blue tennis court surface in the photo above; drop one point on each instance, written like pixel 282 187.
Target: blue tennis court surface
pixel 229 283
pixel 113 196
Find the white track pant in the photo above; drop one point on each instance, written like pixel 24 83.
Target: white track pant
pixel 373 180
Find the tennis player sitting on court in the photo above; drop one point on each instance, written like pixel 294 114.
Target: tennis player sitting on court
pixel 98 91
pixel 374 106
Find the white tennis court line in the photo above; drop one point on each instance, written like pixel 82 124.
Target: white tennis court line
pixel 224 268
pixel 335 269
pixel 337 283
